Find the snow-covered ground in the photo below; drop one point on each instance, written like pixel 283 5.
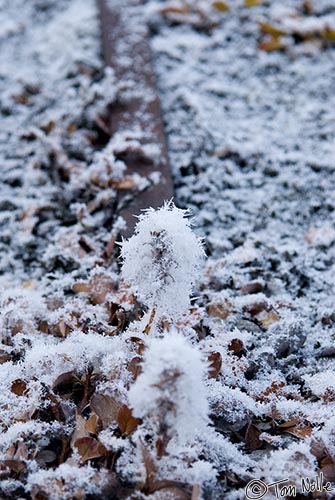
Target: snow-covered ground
pixel 251 141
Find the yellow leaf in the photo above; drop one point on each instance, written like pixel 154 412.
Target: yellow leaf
pixel 271 45
pixel 330 34
pixel 252 3
pixel 221 6
pixel 271 30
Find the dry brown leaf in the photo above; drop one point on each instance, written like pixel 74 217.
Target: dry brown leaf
pixel 252 437
pixel 16 466
pixel 106 408
pixel 300 432
pixel 64 381
pixel 79 430
pixel 255 308
pixel 18 387
pixel 215 364
pixel 126 422
pixel 150 467
pixel 134 366
pixel 80 287
pixel 289 423
pixel 236 346
pixel 89 448
pixel 328 468
pixel 125 183
pixel 4 356
pixel 97 288
pixel 274 388
pixel 221 311
pixel 91 425
pixel 251 288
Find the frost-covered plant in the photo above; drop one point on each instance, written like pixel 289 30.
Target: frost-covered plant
pixel 170 392
pixel 162 259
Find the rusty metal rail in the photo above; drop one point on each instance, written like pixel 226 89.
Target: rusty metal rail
pixel 127 50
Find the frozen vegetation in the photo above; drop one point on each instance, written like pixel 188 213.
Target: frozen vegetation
pixel 141 368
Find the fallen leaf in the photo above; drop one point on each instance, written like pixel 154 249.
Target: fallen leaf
pixel 271 44
pixel 150 467
pixel 251 288
pixel 328 468
pixel 215 360
pixel 106 408
pixel 91 425
pixel 290 423
pixel 15 466
pixel 236 346
pixel 221 311
pixel 134 366
pixel 18 387
pixel 221 6
pixel 300 432
pixel 255 308
pixel 330 34
pixel 269 318
pixel 89 448
pixel 252 3
pixel 125 183
pixel 272 30
pixel 252 437
pixel 79 430
pixel 126 422
pixel 274 388
pixel 64 382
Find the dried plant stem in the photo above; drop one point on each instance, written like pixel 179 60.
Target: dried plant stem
pixel 151 319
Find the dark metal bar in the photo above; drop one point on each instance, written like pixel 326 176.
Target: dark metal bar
pixel 127 50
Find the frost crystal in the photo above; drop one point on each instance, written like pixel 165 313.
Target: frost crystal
pixel 170 390
pixel 161 260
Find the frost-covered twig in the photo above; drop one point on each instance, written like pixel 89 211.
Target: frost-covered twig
pixel 162 259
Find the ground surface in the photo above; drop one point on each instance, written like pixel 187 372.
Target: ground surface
pixel 251 142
